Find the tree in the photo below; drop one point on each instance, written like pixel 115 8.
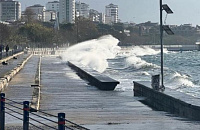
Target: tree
pixel 5 33
pixel 28 16
pixel 38 34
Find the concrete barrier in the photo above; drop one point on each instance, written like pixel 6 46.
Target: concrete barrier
pixel 102 82
pixel 170 101
pixel 10 57
pixel 7 78
pixel 35 102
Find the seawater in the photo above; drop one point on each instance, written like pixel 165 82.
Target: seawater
pixel 138 63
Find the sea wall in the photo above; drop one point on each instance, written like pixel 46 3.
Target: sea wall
pixel 170 101
pixel 102 82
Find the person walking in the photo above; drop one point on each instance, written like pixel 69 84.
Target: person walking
pixel 7 49
pixel 1 50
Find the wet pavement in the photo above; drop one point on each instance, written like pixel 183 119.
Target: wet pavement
pixel 12 63
pixel 63 91
pixel 19 89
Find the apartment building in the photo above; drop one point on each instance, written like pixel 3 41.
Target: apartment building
pixel 53 6
pixel 66 11
pixel 82 9
pixel 95 16
pixel 111 12
pixel 10 10
pixel 37 12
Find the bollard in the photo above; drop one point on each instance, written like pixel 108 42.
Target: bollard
pixel 2 112
pixel 61 121
pixel 155 82
pixel 26 115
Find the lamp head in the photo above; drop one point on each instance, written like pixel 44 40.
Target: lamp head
pixel 167 9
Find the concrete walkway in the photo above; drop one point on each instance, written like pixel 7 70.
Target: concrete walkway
pixel 12 63
pixel 19 89
pixel 63 91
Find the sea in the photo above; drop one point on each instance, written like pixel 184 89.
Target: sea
pixel 138 63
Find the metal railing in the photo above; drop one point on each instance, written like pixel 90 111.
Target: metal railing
pixel 30 116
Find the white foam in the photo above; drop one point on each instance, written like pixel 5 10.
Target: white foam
pixel 93 53
pixel 177 80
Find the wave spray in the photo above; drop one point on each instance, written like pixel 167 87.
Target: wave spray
pixel 93 53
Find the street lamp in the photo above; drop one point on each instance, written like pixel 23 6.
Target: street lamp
pixel 168 31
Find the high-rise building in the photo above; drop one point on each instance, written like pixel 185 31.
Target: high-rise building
pixel 10 10
pixel 82 9
pixel 111 13
pixel 53 6
pixel 66 11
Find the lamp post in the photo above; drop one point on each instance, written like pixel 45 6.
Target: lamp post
pixel 161 45
pixel 168 31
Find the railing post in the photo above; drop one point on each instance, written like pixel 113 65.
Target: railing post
pixel 2 112
pixel 26 115
pixel 61 121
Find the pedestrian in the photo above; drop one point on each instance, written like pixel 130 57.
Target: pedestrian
pixel 7 49
pixel 1 49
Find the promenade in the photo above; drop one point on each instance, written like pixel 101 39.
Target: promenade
pixel 63 91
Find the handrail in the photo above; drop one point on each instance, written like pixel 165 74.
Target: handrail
pixel 42 111
pixel 14 116
pixel 14 111
pixel 13 106
pixel 41 122
pixel 44 118
pixel 28 110
pixel 14 101
pixel 76 125
pixel 36 126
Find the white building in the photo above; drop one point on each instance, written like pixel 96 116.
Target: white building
pixel 10 10
pixel 82 9
pixel 54 6
pixel 37 11
pixel 67 11
pixel 111 13
pixel 95 16
pixel 102 18
pixel 50 16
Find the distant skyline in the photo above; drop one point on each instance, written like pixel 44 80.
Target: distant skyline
pixel 139 11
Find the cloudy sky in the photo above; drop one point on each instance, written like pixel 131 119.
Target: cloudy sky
pixel 185 11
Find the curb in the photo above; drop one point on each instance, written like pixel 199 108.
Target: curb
pixel 10 57
pixel 35 102
pixel 8 77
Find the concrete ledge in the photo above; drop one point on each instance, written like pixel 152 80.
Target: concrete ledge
pixel 10 57
pixel 37 75
pixel 170 101
pixel 7 78
pixel 35 102
pixel 102 82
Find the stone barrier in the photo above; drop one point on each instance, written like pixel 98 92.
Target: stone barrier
pixel 102 82
pixel 170 101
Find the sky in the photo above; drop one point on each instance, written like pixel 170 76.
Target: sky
pixel 139 11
